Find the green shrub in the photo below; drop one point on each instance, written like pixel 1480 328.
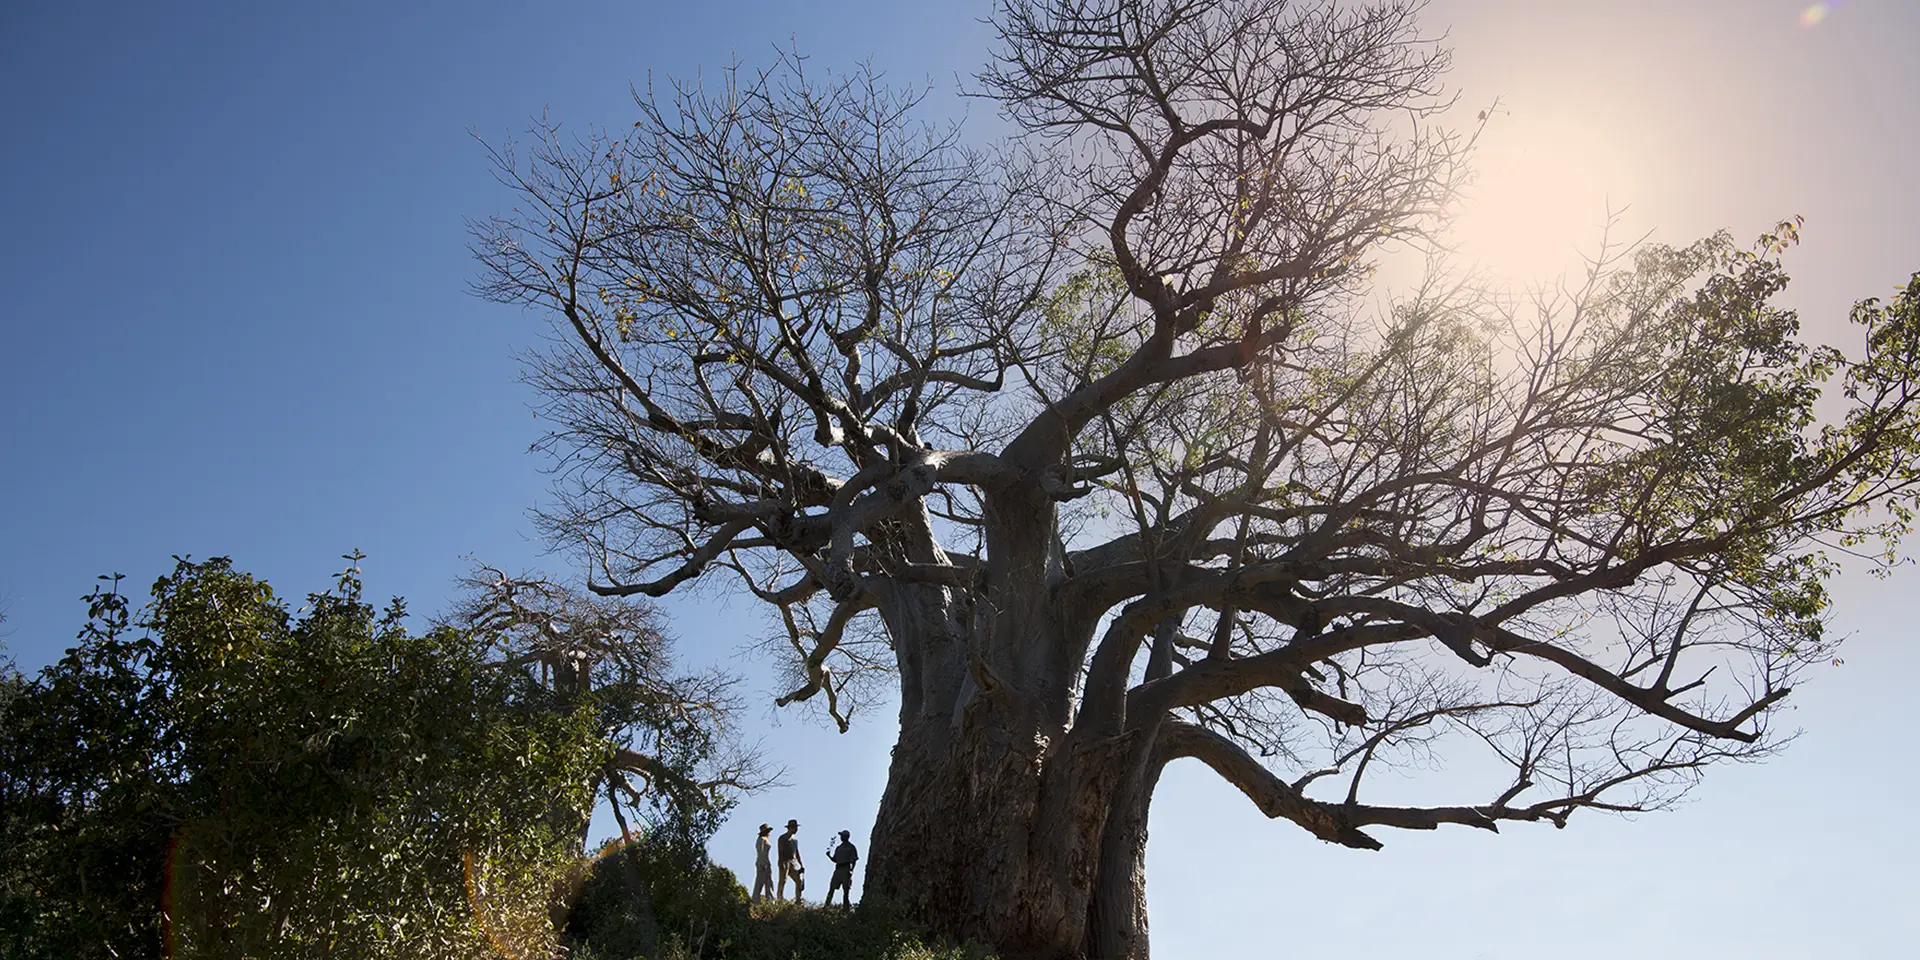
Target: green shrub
pixel 287 783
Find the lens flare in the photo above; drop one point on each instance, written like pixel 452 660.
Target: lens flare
pixel 1815 14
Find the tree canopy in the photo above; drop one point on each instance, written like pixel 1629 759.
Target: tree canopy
pixel 1102 445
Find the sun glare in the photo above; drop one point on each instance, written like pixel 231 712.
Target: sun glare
pixel 1542 191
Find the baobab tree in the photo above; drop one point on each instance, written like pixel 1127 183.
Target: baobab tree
pixel 1102 445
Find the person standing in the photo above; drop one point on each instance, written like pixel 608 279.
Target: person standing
pixel 844 857
pixel 763 864
pixel 790 865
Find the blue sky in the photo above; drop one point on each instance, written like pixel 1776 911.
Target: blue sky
pixel 236 322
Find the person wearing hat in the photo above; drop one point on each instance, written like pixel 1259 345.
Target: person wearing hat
pixel 763 864
pixel 844 857
pixel 790 865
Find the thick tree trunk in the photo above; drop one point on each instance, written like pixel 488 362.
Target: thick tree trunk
pixel 993 821
pixel 951 841
pixel 1117 917
pixel 981 840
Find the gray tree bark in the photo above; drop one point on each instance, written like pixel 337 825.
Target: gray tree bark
pixel 1000 819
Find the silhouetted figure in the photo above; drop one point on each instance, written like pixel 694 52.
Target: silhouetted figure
pixel 763 864
pixel 844 857
pixel 790 865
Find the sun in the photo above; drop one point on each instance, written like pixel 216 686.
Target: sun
pixel 1544 187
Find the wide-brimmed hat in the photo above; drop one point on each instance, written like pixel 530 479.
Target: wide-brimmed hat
pixel 766 828
pixel 793 823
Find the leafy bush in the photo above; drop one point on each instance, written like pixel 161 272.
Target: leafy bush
pixel 287 784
